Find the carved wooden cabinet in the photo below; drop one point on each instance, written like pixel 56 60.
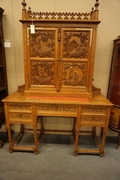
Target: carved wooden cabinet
pixel 60 59
pixel 3 75
pixel 59 51
pixel 59 56
pixel 114 88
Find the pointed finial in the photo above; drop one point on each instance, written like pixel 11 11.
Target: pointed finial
pixel 92 9
pixel 24 4
pixel 97 4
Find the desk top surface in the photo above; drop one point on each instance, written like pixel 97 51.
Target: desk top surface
pixel 18 96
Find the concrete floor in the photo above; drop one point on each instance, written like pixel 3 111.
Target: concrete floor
pixel 56 161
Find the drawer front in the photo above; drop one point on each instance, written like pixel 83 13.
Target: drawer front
pixel 93 120
pixel 20 117
pixel 55 109
pixel 94 109
pixel 20 107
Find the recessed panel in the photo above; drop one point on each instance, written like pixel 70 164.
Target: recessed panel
pixel 43 44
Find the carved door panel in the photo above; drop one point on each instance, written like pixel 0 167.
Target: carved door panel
pixel 43 56
pixel 75 58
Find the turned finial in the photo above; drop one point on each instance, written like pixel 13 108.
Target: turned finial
pixel 24 10
pixel 97 4
pixel 24 4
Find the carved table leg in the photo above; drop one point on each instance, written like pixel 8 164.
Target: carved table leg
pixel 22 129
pixel 101 152
pixel 77 126
pixel 75 151
pixel 103 143
pixel 10 148
pixel 76 143
pixel 73 130
pixel 10 139
pixel 35 142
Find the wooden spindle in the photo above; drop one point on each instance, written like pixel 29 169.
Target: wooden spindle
pixel 92 14
pixel 24 10
pixel 96 9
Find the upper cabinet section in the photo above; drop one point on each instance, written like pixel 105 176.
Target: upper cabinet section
pixel 59 50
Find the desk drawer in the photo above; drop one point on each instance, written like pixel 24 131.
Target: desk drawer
pixel 94 109
pixel 24 118
pixel 93 120
pixel 20 107
pixel 59 110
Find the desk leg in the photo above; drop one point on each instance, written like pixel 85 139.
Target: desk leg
pixel 76 143
pixel 77 129
pixel 104 132
pixel 103 143
pixel 73 130
pixel 35 142
pixel 10 139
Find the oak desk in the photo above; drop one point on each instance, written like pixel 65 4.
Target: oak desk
pixel 94 112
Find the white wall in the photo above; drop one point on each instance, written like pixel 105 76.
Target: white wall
pixel 108 30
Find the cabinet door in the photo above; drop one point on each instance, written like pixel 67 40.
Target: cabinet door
pixel 42 58
pixel 59 60
pixel 75 59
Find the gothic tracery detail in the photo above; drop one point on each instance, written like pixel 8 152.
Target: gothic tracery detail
pixel 20 107
pixel 57 108
pixel 96 119
pixel 93 109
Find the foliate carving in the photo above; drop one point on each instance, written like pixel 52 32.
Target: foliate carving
pixel 94 109
pixel 20 116
pixel 74 74
pixel 42 73
pixel 20 107
pixel 76 44
pixel 93 119
pixel 57 108
pixel 43 44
